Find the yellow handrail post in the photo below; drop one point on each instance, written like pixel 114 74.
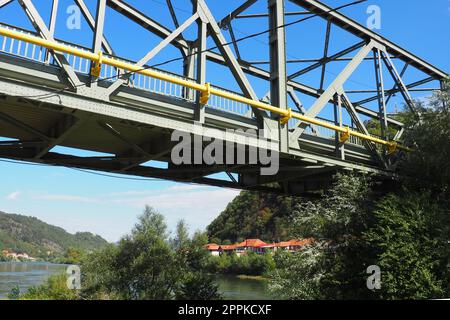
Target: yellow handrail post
pixel 97 65
pixel 344 136
pixel 285 119
pixel 392 147
pixel 206 94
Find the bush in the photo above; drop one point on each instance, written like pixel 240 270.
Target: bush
pixel 55 288
pixel 248 264
pixel 198 286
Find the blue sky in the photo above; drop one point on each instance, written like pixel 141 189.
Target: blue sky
pixel 79 201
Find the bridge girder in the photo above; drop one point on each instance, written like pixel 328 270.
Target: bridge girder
pixel 29 86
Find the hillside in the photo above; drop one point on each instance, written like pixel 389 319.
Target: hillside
pixel 253 215
pixel 35 237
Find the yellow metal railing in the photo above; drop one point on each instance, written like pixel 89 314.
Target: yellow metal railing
pixel 206 90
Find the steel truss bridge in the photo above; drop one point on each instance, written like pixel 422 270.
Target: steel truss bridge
pixel 56 93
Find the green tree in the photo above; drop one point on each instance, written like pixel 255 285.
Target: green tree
pixel 412 251
pixel 298 276
pixel 141 267
pixel 406 233
pixel 181 240
pixel 198 286
pixel 428 165
pixel 148 265
pixel 334 266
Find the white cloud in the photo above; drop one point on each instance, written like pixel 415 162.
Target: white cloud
pixel 187 187
pixel 13 195
pixel 197 205
pixel 207 198
pixel 62 197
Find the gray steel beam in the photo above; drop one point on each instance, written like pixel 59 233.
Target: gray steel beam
pixel 98 33
pixel 173 14
pixel 395 87
pixel 147 23
pixel 324 61
pixel 233 39
pixel 109 128
pixel 3 3
pixel 399 82
pixel 310 60
pixel 265 75
pixel 391 92
pixel 360 31
pixel 52 25
pixel 381 94
pixel 228 55
pixel 171 37
pixel 338 121
pixel 232 15
pixel 91 21
pixel 301 108
pixel 278 76
pixel 265 15
pixel 361 127
pixel 325 54
pixel 336 85
pixel 202 25
pixel 189 67
pixel 41 27
pixel 15 122
pixel 59 132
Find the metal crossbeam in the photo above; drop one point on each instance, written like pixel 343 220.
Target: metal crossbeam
pixel 333 89
pixel 41 27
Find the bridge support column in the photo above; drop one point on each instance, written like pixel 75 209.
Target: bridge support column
pixel 202 24
pixel 52 26
pixel 381 93
pixel 189 72
pixel 98 32
pixel 278 77
pixel 340 148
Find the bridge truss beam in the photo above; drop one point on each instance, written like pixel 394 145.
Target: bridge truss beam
pixel 117 108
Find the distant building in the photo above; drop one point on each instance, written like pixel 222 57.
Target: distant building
pixel 212 248
pixel 227 248
pixel 293 245
pixel 257 246
pixel 250 245
pixel 17 256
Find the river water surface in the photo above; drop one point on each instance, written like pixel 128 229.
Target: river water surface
pixel 25 275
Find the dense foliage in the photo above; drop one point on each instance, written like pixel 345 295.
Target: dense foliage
pixel 39 239
pixel 250 264
pixel 253 215
pixel 405 232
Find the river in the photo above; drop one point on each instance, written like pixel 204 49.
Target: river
pixel 25 275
